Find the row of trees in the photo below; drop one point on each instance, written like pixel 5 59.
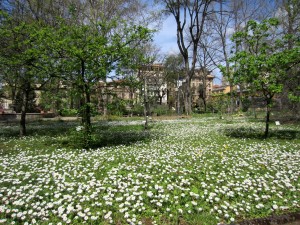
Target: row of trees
pixel 45 43
pixel 80 42
pixel 253 50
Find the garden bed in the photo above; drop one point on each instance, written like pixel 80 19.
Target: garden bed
pixel 284 219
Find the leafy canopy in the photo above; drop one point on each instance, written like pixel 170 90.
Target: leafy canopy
pixel 262 59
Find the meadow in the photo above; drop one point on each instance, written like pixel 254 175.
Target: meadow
pixel 183 171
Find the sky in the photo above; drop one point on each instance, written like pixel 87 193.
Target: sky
pixel 166 39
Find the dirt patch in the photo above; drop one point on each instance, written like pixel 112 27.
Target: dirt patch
pixel 286 219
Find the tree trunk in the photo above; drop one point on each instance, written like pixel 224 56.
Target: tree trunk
pixel 267 118
pixel 204 87
pixel 25 94
pixel 160 100
pixel 204 103
pixel 146 104
pixel 187 98
pixel 231 98
pixel 86 112
pixel 240 98
pixel 86 119
pixel 105 100
pixel 13 98
pixel 87 107
pixel 178 101
pixel 57 102
pixel 71 100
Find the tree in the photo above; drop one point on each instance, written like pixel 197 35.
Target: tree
pixel 264 63
pixel 207 63
pixel 91 52
pixel 230 17
pixel 288 13
pixel 85 40
pixel 131 84
pixel 219 25
pixel 190 18
pixel 148 55
pixel 174 73
pixel 24 60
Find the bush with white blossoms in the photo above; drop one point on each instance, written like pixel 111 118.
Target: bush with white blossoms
pixel 188 171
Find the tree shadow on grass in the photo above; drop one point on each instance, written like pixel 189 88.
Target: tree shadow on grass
pixel 248 132
pixel 106 135
pixel 121 138
pixel 38 128
pixel 64 134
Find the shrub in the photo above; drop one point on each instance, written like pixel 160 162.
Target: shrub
pixel 68 112
pixel 117 107
pixel 138 110
pixel 162 110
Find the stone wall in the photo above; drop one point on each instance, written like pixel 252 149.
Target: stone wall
pixel 29 116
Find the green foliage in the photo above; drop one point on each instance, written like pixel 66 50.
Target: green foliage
pixel 219 103
pixel 161 110
pixel 25 52
pixel 92 52
pixel 294 72
pixel 117 107
pixel 31 103
pixel 54 98
pixel 262 60
pixel 68 112
pixel 174 68
pixel 81 54
pixel 26 63
pixel 294 98
pixel 246 104
pixel 138 109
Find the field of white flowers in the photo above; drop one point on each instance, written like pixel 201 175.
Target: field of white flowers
pixel 186 172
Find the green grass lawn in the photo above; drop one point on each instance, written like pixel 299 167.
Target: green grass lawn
pixel 183 171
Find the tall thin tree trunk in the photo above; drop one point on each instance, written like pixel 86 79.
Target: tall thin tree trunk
pixel 231 98
pixel 87 108
pixel 267 118
pixel 160 99
pixel 86 112
pixel 25 94
pixel 13 98
pixel 146 104
pixel 87 117
pixel 105 100
pixel 204 72
pixel 71 100
pixel 241 97
pixel 178 101
pixel 57 102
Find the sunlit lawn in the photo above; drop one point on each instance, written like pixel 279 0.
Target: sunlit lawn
pixel 184 171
